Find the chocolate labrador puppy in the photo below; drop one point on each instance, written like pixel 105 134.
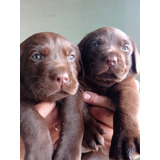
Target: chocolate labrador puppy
pixel 110 64
pixel 49 66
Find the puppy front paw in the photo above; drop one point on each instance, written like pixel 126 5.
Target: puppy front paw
pixel 93 135
pixel 124 144
pixel 66 156
pixel 39 152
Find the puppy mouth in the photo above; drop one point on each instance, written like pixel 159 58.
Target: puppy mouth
pixel 106 73
pixel 54 96
pixel 102 71
pixel 106 76
pixel 66 89
pixel 59 92
pixel 110 76
pixel 57 95
pixel 106 79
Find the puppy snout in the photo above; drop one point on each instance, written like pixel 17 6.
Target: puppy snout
pixel 111 61
pixel 61 78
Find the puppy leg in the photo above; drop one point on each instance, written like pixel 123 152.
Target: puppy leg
pixel 126 137
pixel 35 134
pixel 69 147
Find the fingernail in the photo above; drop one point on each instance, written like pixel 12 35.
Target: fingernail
pixel 86 96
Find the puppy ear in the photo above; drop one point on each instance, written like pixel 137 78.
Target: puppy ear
pixel 81 45
pixel 81 72
pixel 25 44
pixel 22 47
pixel 135 59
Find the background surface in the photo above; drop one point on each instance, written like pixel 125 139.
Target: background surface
pixel 75 18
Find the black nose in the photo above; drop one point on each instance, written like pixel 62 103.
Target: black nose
pixel 61 78
pixel 111 61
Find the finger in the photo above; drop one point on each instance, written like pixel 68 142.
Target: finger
pixel 105 149
pixel 103 115
pixel 44 108
pixel 55 133
pixel 109 132
pixel 107 138
pixel 96 100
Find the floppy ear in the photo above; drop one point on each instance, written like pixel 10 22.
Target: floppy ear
pixel 22 46
pixel 135 59
pixel 79 63
pixel 81 49
pixel 81 45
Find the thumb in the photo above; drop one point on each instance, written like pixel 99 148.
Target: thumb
pixel 97 100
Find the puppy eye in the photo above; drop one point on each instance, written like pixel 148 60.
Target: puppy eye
pixel 71 57
pixel 95 44
pixel 125 48
pixel 37 56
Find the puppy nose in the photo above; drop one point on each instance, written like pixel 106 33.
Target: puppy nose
pixel 111 61
pixel 61 78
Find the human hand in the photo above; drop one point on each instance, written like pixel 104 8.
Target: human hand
pixel 102 110
pixel 50 112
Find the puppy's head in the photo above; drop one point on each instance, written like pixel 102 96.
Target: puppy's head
pixel 109 56
pixel 49 66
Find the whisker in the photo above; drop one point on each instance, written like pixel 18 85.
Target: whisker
pixel 34 76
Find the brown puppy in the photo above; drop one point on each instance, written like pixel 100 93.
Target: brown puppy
pixel 109 59
pixel 49 66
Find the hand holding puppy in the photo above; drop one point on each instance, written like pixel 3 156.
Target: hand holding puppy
pixel 99 109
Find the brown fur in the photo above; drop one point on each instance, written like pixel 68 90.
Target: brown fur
pixel 49 66
pixel 110 58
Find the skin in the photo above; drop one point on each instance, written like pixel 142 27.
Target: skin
pixel 98 109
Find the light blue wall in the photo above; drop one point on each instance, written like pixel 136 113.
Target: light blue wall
pixel 75 18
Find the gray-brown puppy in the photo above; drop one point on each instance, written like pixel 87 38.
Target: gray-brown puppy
pixel 110 64
pixel 49 67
